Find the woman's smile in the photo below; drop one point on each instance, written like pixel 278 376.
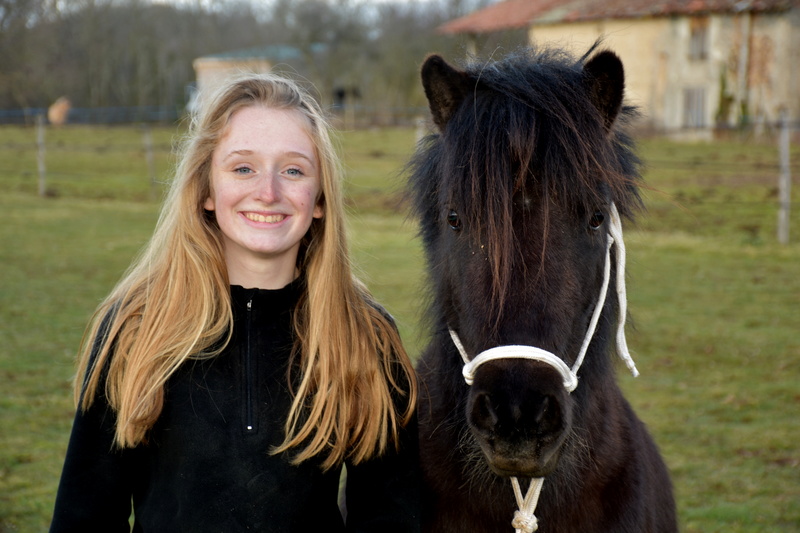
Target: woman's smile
pixel 269 219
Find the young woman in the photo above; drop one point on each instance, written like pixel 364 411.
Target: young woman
pixel 239 364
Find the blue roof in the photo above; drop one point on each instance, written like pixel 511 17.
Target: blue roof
pixel 277 52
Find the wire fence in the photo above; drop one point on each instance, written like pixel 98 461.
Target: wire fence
pixel 133 162
pixel 355 115
pixel 98 115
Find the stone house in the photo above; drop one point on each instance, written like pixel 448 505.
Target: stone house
pixel 212 70
pixel 691 65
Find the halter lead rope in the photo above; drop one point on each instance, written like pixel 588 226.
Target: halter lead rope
pixel 524 519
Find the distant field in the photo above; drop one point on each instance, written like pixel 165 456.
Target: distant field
pixel 713 298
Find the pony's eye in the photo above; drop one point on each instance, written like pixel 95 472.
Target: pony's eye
pixel 453 220
pixel 596 220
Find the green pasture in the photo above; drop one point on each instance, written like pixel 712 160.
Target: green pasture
pixel 714 301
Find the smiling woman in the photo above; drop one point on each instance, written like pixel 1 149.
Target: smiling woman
pixel 264 195
pixel 239 364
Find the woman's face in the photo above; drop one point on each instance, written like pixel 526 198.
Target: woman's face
pixel 264 191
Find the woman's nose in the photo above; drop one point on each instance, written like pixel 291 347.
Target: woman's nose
pixel 268 190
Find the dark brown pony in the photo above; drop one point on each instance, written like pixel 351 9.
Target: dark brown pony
pixel 517 197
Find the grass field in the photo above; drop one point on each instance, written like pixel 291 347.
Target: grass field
pixel 714 303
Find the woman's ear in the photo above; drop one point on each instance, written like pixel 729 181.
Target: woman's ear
pixel 208 205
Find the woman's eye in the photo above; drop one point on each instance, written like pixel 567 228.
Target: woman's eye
pixel 294 172
pixel 454 220
pixel 596 220
pixel 242 170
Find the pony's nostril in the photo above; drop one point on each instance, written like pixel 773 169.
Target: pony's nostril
pixel 484 415
pixel 548 415
pixel 543 408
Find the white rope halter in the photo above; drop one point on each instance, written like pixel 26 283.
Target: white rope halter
pixel 524 519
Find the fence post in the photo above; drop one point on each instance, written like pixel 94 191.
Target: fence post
pixel 784 181
pixel 150 159
pixel 420 131
pixel 40 161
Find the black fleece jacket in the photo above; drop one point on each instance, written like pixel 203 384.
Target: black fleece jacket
pixel 206 466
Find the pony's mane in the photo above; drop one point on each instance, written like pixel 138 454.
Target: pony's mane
pixel 528 125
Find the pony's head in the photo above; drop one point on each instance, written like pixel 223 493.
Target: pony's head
pixel 515 196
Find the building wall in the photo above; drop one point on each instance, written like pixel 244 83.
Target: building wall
pixel 211 72
pixel 774 65
pixel 790 55
pixel 749 66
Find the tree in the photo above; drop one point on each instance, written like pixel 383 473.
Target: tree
pixel 109 53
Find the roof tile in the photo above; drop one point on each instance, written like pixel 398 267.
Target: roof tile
pixel 511 14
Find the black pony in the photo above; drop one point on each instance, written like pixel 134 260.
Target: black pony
pixel 519 197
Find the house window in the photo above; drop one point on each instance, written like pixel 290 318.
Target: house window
pixel 698 39
pixel 694 107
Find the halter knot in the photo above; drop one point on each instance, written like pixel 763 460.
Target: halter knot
pixel 524 523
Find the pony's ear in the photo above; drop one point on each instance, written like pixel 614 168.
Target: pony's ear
pixel 604 78
pixel 445 87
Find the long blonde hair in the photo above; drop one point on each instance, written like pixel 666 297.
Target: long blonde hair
pixel 356 385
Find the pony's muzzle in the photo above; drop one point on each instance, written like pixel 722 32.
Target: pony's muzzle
pixel 519 414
